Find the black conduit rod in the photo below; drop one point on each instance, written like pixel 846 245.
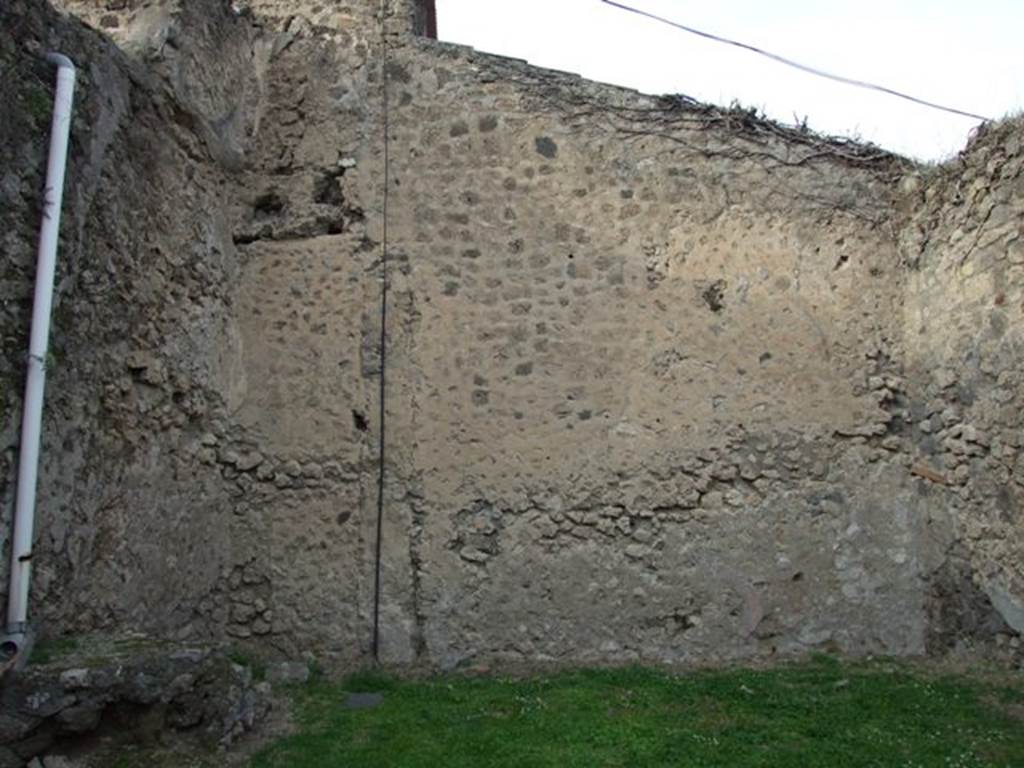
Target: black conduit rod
pixel 383 333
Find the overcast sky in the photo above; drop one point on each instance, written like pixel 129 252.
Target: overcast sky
pixel 966 54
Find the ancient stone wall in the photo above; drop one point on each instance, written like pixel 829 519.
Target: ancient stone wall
pixel 131 530
pixel 964 249
pixel 655 384
pixel 665 428
pixel 178 496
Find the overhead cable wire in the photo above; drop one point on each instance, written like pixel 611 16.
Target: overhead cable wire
pixel 796 64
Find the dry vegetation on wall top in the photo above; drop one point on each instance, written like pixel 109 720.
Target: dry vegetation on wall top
pixel 665 115
pixel 665 381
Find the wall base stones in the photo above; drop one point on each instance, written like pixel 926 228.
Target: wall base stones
pixel 134 688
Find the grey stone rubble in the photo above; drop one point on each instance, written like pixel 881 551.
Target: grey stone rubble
pixel 145 686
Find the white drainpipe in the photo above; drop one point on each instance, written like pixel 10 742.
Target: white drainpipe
pixel 31 426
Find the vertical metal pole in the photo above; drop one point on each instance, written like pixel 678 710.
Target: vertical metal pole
pixel 383 337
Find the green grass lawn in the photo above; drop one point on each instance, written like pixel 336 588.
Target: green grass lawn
pixel 816 713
